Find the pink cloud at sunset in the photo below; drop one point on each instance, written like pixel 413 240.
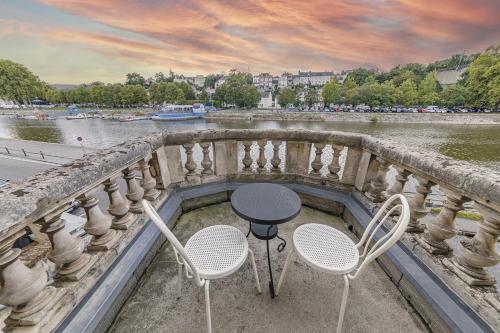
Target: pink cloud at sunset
pixel 203 36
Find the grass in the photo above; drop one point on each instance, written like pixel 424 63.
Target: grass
pixel 461 213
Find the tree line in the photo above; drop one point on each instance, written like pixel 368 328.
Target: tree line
pixel 410 85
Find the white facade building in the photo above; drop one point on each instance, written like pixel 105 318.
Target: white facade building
pixel 312 78
pixel 266 100
pixel 263 80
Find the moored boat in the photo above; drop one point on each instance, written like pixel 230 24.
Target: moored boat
pixel 79 116
pixel 179 112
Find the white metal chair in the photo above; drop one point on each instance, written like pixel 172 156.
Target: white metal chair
pixel 212 253
pixel 330 250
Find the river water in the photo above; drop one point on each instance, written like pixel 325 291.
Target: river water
pixel 479 144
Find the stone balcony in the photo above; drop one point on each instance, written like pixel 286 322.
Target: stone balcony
pixel 62 282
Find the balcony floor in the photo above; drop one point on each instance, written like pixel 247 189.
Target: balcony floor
pixel 309 300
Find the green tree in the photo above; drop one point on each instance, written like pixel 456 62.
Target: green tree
pixel 455 96
pixel 187 90
pixel 236 90
pixel 348 90
pixel 359 75
pixel 19 85
pixel 331 92
pixel 427 90
pixel 484 79
pixel 286 97
pixel 135 78
pixel 311 96
pixel 406 94
pixel 211 79
pixel 204 96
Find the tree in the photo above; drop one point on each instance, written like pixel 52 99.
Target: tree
pixel 187 90
pixel 348 90
pixel 211 79
pixel 19 85
pixel 455 96
pixel 135 78
pixel 237 90
pixel 160 77
pixel 204 96
pixel 331 92
pixel 359 75
pixel 311 96
pixel 286 97
pixel 427 90
pixel 483 79
pixel 406 94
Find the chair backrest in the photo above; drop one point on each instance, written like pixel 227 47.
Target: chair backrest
pixel 391 237
pixel 178 248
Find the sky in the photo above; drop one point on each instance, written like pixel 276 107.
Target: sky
pixel 75 41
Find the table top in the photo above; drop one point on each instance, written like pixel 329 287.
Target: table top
pixel 266 203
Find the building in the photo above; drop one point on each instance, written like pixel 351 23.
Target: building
pixel 199 80
pixel 312 78
pixel 263 80
pixel 285 80
pixel 266 100
pixel 449 77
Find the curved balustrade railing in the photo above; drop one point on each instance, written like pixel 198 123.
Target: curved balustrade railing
pixel 40 296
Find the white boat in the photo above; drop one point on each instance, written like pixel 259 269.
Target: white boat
pixel 127 118
pixel 79 116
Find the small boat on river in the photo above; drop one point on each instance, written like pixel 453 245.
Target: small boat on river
pixel 129 117
pixel 180 112
pixel 79 116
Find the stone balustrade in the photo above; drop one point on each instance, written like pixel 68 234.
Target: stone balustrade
pixel 151 166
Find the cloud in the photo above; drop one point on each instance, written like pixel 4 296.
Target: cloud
pixel 212 35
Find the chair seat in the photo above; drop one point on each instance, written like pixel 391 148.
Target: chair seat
pixel 326 248
pixel 217 251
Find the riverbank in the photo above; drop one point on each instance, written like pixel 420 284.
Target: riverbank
pixel 406 118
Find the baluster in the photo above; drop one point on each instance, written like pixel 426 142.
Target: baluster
pixel 317 164
pixel 206 163
pixel 479 252
pixel 98 224
pixel 67 251
pixel 118 206
pixel 247 159
pixel 190 164
pixel 398 186
pixel 275 161
pixel 24 289
pixel 134 191
pixel 261 162
pixel 148 181
pixel 378 183
pixel 417 204
pixel 334 167
pixel 442 227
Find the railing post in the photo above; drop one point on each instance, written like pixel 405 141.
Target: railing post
pixel 174 163
pixel 118 206
pixel 417 204
pixel 317 164
pixel 190 164
pixel 261 162
pixel 378 183
pixel 297 157
pixel 351 165
pixel 334 167
pixel 226 157
pixel 479 251
pixel 98 224
pixel 442 227
pixel 247 159
pixel 276 161
pixel 368 166
pixel 24 289
pixel 134 191
pixel 159 163
pixel 67 251
pixel 148 181
pixel 206 163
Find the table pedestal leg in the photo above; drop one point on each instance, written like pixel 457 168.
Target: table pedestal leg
pixel 271 282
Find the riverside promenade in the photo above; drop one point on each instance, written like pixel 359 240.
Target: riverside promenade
pixel 22 158
pixel 400 118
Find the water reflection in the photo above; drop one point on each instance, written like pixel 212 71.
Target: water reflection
pixel 478 144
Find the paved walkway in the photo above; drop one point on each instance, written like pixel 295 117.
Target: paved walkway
pixel 308 302
pixel 37 157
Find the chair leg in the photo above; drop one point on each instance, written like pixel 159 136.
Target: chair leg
pixel 343 304
pixel 282 276
pixel 179 281
pixel 257 281
pixel 207 306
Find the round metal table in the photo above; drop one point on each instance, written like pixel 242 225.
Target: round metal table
pixel 264 206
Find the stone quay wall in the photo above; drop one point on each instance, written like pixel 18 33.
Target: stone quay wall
pixel 417 118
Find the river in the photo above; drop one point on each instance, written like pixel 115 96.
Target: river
pixel 478 144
